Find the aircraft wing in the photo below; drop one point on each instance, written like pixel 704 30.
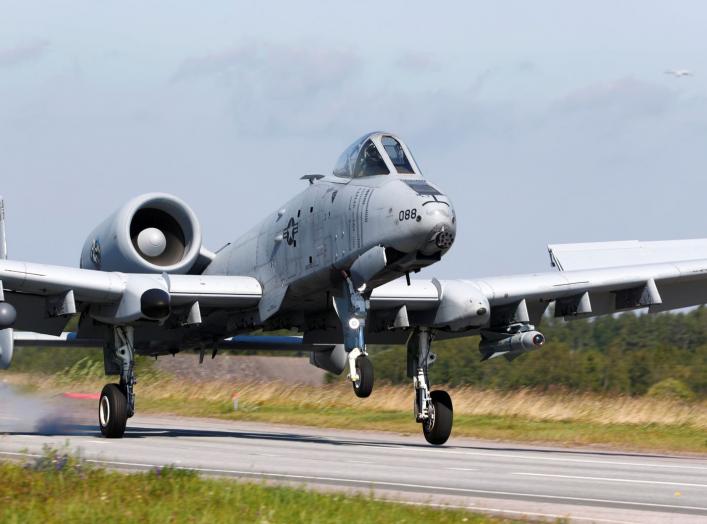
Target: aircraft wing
pixel 593 279
pixel 583 293
pixel 45 295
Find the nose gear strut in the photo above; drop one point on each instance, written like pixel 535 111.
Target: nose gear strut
pixel 432 409
pixel 352 310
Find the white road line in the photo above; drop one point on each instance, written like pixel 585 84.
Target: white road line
pixel 12 454
pixel 384 500
pixel 553 459
pixel 607 479
pixel 463 469
pixel 382 483
pixel 129 464
pixel 508 455
pixel 399 485
pixel 475 507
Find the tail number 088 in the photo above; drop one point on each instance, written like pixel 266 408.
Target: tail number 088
pixel 407 214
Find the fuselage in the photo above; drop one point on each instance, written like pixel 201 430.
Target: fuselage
pixel 305 245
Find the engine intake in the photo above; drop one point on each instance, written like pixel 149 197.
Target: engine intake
pixel 153 233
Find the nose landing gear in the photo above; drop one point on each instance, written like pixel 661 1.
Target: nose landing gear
pixel 363 384
pixel 434 409
pixel 352 310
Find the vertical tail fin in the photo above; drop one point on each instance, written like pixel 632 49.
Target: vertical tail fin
pixel 3 241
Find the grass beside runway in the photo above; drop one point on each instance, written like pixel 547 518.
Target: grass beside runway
pixel 652 437
pixel 59 488
pixel 564 418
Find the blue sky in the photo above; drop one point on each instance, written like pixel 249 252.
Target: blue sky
pixel 544 121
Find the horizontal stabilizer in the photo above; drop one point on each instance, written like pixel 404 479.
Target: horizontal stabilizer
pixel 599 255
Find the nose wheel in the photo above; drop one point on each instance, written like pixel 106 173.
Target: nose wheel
pixel 363 385
pixel 352 310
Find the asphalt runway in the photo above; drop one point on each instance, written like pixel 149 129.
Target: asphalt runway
pixel 587 485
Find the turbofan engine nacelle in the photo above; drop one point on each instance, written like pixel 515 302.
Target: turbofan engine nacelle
pixel 152 233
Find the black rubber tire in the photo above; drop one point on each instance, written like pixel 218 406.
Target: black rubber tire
pixel 364 386
pixel 112 411
pixel 438 428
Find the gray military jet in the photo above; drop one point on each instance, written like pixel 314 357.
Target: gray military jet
pixel 329 264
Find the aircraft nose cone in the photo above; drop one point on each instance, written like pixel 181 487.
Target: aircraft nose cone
pixel 441 224
pixel 444 239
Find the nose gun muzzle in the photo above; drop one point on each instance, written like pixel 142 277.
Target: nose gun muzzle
pixel 444 239
pixel 441 236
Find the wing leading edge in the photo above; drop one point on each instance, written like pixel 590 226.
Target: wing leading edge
pixel 578 293
pixel 45 296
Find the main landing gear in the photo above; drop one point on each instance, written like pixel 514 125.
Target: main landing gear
pixel 117 402
pixel 432 409
pixel 352 310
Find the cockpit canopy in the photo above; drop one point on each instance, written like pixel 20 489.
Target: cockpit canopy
pixel 376 154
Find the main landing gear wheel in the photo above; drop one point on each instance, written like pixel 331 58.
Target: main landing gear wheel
pixel 364 385
pixel 438 426
pixel 433 409
pixel 112 411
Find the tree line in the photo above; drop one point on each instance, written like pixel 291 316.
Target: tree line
pixel 627 354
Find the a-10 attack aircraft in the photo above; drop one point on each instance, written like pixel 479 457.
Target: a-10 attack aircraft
pixel 327 263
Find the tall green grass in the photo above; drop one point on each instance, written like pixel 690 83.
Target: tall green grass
pixel 59 488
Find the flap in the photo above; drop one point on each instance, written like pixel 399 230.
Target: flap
pixel 214 290
pixel 598 255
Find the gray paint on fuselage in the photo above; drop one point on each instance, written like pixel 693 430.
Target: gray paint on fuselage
pixel 336 219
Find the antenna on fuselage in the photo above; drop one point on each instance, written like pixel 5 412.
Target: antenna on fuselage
pixel 312 178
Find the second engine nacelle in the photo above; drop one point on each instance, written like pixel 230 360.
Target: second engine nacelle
pixel 152 233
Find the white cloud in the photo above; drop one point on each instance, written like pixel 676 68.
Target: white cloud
pixel 282 70
pixel 418 62
pixel 625 98
pixel 23 53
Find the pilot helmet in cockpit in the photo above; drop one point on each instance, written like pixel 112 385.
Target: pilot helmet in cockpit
pixel 375 154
